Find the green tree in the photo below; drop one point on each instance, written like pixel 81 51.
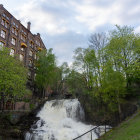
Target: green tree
pixel 120 65
pixel 123 50
pixel 98 42
pixel 13 77
pixel 85 62
pixel 46 69
pixel 109 66
pixel 113 88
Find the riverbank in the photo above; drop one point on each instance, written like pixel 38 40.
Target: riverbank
pixel 15 127
pixel 14 124
pixel 127 130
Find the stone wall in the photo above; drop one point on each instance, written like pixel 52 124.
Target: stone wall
pixel 22 106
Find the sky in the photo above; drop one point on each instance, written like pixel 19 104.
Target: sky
pixel 65 25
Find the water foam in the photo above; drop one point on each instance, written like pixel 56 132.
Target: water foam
pixel 60 120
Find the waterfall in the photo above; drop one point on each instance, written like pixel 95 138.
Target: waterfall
pixel 60 120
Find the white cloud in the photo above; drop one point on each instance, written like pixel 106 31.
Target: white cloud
pixel 65 23
pixel 41 20
pixel 94 16
pixel 137 30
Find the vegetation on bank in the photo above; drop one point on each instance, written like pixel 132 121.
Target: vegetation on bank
pixel 128 130
pixel 104 76
pixel 49 77
pixel 13 78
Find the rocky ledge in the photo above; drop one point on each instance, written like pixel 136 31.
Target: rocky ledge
pixel 14 124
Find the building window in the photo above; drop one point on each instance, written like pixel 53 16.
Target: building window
pixel 34 76
pixel 30 63
pixel 23 32
pixel 2 44
pixel 31 44
pixel 35 56
pixel 7 18
pixel 22 49
pixel 16 25
pixel 13 41
pixel 3 33
pixel 35 47
pixel 4 23
pixel 21 57
pixel 29 74
pixel 4 15
pixel 14 31
pixel 23 37
pixel 38 43
pixel 12 52
pixel 30 53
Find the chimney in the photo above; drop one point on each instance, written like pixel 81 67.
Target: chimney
pixel 38 34
pixel 1 5
pixel 28 25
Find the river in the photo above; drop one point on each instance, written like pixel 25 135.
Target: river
pixel 60 120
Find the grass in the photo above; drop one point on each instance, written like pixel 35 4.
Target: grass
pixel 128 130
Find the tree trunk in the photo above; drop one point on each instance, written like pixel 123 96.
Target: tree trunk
pixel 2 101
pixel 119 108
pixel 120 112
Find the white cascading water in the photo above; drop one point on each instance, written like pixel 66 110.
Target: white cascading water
pixel 60 120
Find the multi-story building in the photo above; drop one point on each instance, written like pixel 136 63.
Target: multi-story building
pixel 20 40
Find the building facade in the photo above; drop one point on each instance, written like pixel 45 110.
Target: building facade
pixel 20 40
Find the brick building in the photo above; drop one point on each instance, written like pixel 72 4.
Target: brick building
pixel 20 40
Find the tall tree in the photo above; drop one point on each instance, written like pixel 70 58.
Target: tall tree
pixel 113 87
pixel 98 42
pixel 122 50
pixel 86 63
pixel 13 77
pixel 109 65
pixel 120 64
pixel 46 67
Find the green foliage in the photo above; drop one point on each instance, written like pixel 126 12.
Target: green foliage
pixel 75 83
pixel 122 49
pixel 32 106
pixel 13 77
pixel 123 52
pixel 49 76
pixel 109 67
pixel 45 68
pixel 128 130
pixel 86 63
pixel 64 69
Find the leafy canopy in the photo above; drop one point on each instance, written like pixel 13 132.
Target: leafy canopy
pixel 13 76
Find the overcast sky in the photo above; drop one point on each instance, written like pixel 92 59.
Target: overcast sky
pixel 65 25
